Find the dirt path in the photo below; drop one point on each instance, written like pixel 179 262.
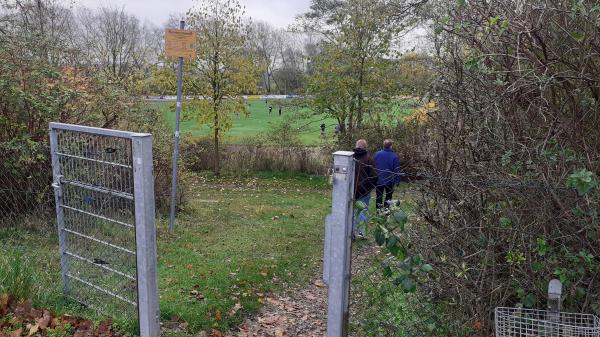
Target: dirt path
pixel 300 311
pixel 297 312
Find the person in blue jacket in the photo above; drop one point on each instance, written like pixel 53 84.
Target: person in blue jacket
pixel 388 173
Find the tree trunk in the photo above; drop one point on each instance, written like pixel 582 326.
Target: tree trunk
pixel 217 156
pixel 361 80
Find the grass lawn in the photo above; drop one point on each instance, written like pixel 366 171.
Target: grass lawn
pixel 238 239
pixel 260 122
pixel 256 123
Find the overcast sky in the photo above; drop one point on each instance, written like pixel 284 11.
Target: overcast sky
pixel 280 13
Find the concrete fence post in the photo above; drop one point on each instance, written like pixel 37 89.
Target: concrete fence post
pixel 338 244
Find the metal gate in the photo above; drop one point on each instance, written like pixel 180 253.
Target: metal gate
pixel 104 190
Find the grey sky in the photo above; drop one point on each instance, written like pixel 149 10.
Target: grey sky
pixel 280 13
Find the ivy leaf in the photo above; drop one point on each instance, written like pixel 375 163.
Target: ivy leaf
pixel 400 218
pixel 427 268
pixel 409 285
pixel 583 181
pixel 529 300
pixel 379 236
pixel 537 266
pixel 387 271
pixel 417 260
pixel 578 36
pixel 505 222
pixel 360 206
pixel 542 247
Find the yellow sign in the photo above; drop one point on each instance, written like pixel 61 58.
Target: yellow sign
pixel 180 43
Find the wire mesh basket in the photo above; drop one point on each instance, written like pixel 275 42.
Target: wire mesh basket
pixel 520 322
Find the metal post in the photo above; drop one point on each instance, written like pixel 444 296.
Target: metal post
pixel 176 140
pixel 555 295
pixel 554 307
pixel 327 250
pixel 145 233
pixel 340 244
pixel 60 215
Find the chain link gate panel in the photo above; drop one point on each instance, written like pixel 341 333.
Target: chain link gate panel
pixel 104 191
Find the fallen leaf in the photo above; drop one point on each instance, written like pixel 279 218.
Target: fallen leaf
pixel 218 315
pixel 33 329
pixel 54 323
pixel 235 309
pixel 319 283
pixel 83 333
pixel 280 333
pixel 22 309
pixel 216 333
pixel 189 267
pixel 35 313
pixel 16 333
pixel 44 322
pixel 196 294
pixel 3 303
pixel 104 329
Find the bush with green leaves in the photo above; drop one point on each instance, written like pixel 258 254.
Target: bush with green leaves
pixel 388 228
pixel 513 155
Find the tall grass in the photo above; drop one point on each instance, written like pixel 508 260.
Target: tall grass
pixel 17 276
pixel 198 155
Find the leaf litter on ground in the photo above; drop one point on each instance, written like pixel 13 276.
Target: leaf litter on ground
pixel 20 318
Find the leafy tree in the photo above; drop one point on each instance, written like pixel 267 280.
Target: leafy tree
pixel 350 79
pixel 41 81
pixel 226 67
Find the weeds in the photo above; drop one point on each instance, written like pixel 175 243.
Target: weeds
pixel 17 276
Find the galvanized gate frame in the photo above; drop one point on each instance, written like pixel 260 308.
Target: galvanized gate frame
pixel 338 244
pixel 145 229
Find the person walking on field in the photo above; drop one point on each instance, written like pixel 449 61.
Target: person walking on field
pixel 388 173
pixel 365 180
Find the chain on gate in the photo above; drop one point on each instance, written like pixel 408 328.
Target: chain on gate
pixel 94 174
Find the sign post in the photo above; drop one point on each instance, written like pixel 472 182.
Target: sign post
pixel 179 43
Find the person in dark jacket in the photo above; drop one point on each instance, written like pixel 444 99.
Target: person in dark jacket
pixel 388 173
pixel 365 180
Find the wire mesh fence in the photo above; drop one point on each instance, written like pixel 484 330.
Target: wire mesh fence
pixel 521 322
pixel 97 211
pixel 26 197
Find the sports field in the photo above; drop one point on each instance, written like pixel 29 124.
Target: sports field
pixel 259 122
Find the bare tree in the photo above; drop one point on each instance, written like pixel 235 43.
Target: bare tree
pixel 117 43
pixel 46 26
pixel 267 40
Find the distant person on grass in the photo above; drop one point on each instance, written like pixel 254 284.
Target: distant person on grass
pixel 365 180
pixel 270 109
pixel 280 110
pixel 388 173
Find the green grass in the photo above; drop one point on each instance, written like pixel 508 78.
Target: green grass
pixel 239 238
pixel 258 122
